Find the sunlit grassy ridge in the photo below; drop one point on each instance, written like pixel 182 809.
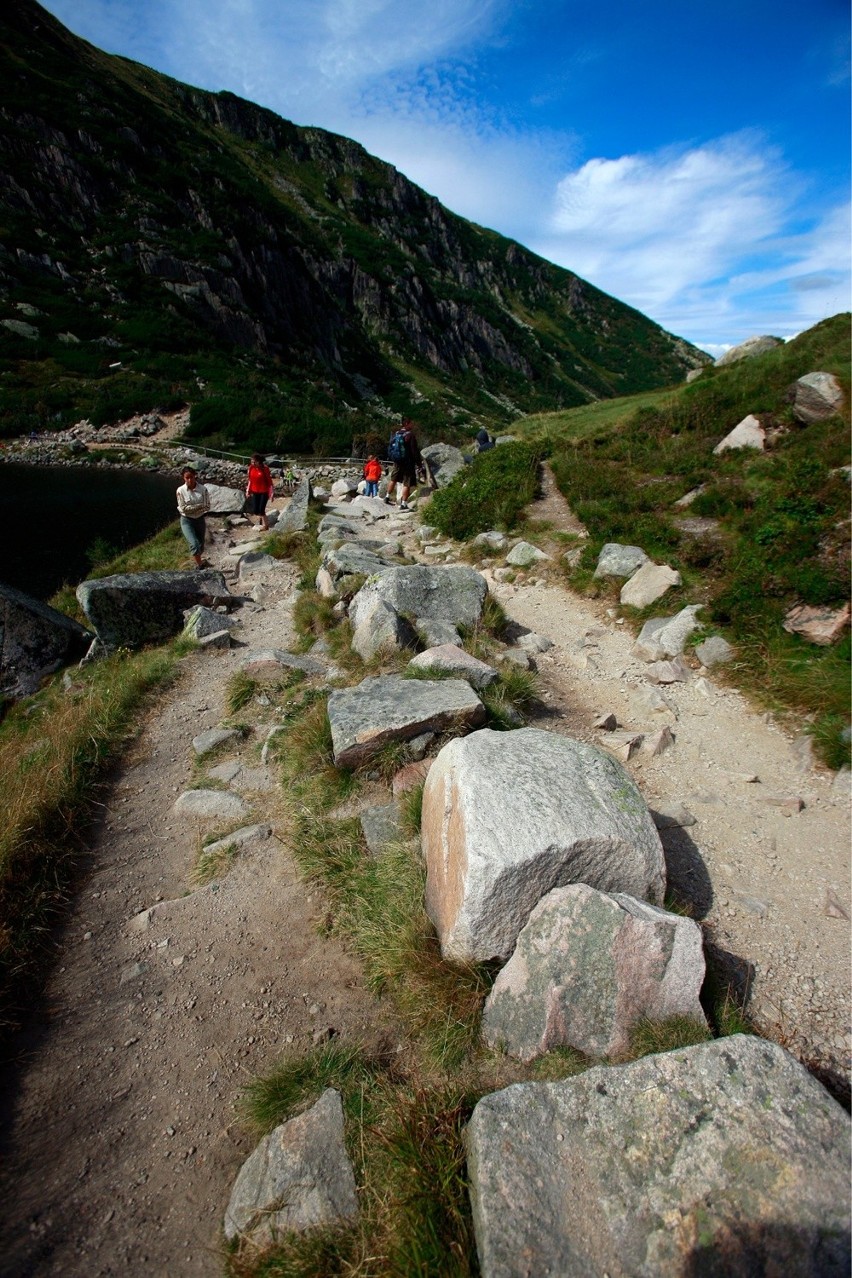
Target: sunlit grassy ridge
pixel 767 530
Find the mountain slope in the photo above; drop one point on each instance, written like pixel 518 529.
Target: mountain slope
pixel 270 272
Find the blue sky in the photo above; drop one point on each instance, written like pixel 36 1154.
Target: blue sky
pixel 691 159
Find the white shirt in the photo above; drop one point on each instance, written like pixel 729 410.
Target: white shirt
pixel 193 502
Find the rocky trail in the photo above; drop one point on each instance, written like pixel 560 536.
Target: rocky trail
pixel 122 1135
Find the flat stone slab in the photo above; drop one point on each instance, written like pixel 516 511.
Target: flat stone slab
pixel 211 805
pixel 449 659
pixel 267 661
pixel 390 708
pixel 350 559
pixel 662 637
pixel 298 1178
pixel 454 594
pixel 507 816
pixel 381 826
pixel 748 433
pixel 649 583
pixel 524 554
pixel 723 1159
pixel 212 739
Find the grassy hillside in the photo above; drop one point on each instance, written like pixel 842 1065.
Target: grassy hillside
pixel 767 529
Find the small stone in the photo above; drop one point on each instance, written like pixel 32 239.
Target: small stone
pixel 606 722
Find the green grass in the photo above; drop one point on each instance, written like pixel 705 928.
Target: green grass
pixel 164 552
pixel 490 493
pixel 782 515
pixel 54 750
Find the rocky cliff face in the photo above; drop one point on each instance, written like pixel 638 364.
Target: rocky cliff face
pixel 143 214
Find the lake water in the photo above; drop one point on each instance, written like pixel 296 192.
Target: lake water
pixel 51 516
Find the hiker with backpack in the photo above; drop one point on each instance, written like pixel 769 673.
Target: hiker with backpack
pixel 404 456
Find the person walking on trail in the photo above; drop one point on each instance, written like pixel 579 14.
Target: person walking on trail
pixel 404 454
pixel 193 503
pixel 259 488
pixel 372 475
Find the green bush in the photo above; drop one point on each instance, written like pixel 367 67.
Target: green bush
pixel 491 492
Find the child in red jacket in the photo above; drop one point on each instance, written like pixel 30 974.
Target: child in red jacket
pixel 372 474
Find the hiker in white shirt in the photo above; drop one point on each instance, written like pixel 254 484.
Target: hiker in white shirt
pixel 193 503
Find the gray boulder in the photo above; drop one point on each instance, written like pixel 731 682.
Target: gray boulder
pixel 255 564
pixel 450 659
pixel 587 968
pixel 494 539
pixel 750 347
pixel 200 621
pixel 616 560
pixel 210 740
pixel 507 816
pixel 270 662
pixel 662 637
pixel 444 462
pixel 714 651
pixel 454 594
pixel 133 609
pixel 816 397
pixel 435 632
pixel 225 501
pixel 35 641
pixel 376 626
pixel 389 708
pixel 723 1159
pixel 295 517
pixel 353 560
pixel 648 584
pixel 298 1178
pixel 524 555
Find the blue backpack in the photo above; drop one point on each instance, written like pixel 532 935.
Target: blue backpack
pixel 398 446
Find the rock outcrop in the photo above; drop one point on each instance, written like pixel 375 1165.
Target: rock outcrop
pixel 132 609
pixel 35 641
pixel 389 708
pixel 507 816
pixel 726 1158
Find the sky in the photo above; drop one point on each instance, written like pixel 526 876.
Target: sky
pixel 691 159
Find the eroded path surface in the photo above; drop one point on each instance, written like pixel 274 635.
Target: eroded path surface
pixel 774 889
pixel 125 1141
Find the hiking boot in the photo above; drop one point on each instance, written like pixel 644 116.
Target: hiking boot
pixel 403 505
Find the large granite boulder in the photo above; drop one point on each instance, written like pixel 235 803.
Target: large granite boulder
pixel 299 1177
pixel 444 462
pixel 453 593
pixel 295 517
pixel 225 501
pixel 587 968
pixel 35 641
pixel 389 708
pixel 748 349
pixel 379 627
pixel 816 397
pixel 507 816
pixel 727 1158
pixel 616 560
pixel 133 609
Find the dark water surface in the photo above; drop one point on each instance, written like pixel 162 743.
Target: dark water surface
pixel 51 515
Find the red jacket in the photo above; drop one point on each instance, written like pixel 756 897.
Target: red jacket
pixel 373 470
pixel 259 480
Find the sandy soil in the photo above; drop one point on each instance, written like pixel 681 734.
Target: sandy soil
pixel 123 1139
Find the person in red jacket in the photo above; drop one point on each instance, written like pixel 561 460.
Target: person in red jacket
pixel 259 488
pixel 372 474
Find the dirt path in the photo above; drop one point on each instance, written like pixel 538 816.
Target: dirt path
pixel 125 1140
pixel 125 1145
pixel 773 889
